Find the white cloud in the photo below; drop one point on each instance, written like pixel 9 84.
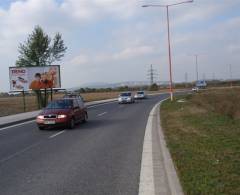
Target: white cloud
pixel 135 37
pixel 125 54
pixel 79 60
pixel 96 9
pixel 134 52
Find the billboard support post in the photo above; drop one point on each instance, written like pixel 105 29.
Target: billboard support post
pixel 39 99
pixel 45 97
pixel 24 101
pixel 51 94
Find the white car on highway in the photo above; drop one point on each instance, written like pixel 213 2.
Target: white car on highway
pixel 125 97
pixel 140 95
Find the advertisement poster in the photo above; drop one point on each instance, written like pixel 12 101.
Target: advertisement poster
pixel 35 78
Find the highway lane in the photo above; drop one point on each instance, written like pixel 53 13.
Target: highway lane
pixel 102 156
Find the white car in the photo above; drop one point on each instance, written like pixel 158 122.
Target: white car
pixel 195 89
pixel 140 95
pixel 125 97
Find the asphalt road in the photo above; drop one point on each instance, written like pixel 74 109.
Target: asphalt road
pixel 102 156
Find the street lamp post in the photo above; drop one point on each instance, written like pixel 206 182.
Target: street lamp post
pixel 230 71
pixel 169 45
pixel 196 60
pixel 196 65
pixel 196 56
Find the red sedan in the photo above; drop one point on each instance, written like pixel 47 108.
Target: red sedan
pixel 63 112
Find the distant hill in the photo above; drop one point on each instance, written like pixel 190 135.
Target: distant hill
pixel 118 84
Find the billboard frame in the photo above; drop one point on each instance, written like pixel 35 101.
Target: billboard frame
pixel 59 75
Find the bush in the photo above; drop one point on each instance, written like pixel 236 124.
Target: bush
pixel 153 87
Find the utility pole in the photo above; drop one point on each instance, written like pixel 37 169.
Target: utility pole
pixel 204 77
pixel 196 62
pixel 196 66
pixel 213 76
pixel 151 74
pixel 213 79
pixel 230 71
pixel 186 79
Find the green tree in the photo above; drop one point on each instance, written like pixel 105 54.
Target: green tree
pixel 153 87
pixel 41 50
pixel 38 50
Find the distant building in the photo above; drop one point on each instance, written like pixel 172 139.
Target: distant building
pixel 201 84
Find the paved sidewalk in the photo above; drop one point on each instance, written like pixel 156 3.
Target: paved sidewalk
pixel 158 175
pixel 27 116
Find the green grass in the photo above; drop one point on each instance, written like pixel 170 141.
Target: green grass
pixel 205 146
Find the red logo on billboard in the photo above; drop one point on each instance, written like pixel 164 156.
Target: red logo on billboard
pixel 18 71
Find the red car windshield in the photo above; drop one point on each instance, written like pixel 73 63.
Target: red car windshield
pixel 60 104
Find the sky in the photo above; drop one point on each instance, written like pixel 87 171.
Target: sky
pixel 116 40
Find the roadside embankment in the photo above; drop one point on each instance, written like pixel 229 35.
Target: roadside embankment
pixel 203 134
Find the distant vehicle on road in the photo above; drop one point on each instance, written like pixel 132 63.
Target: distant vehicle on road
pixel 195 89
pixel 12 93
pixel 64 112
pixel 126 97
pixel 140 95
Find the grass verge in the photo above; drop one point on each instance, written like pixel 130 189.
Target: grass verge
pixel 204 142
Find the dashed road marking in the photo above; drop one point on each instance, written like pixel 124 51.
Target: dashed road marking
pixel 102 104
pixel 101 114
pixel 56 134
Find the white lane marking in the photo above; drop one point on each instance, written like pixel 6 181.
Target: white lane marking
pixel 101 104
pixel 19 152
pixel 101 114
pixel 8 127
pixel 56 134
pixel 120 106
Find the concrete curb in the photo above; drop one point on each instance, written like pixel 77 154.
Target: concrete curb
pixel 173 180
pixel 158 175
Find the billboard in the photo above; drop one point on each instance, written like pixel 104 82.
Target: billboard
pixel 35 78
